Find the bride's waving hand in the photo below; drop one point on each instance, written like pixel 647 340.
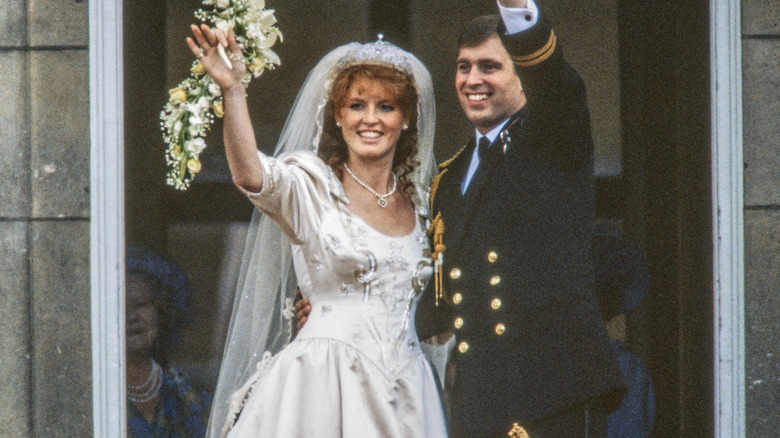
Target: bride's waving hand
pixel 228 72
pixel 205 48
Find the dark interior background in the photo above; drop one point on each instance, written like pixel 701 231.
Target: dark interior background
pixel 646 66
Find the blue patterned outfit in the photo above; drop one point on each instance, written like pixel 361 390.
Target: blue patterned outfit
pixel 183 411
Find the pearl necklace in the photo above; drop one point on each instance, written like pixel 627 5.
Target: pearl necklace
pixel 149 389
pixel 382 198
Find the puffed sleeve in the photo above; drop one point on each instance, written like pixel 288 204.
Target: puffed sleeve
pixel 295 193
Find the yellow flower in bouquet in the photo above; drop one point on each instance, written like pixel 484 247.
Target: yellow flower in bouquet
pixel 177 95
pixel 198 69
pixel 218 109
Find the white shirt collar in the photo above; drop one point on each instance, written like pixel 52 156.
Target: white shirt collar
pixel 493 133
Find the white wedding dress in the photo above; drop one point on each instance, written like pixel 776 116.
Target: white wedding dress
pixel 356 369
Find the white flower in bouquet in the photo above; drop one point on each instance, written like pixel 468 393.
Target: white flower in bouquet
pixel 196 146
pixel 224 25
pixel 214 90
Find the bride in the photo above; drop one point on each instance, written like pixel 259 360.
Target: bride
pixel 344 215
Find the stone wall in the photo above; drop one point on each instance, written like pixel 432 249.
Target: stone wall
pixel 45 340
pixel 761 97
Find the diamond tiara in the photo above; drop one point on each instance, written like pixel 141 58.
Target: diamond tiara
pixel 379 52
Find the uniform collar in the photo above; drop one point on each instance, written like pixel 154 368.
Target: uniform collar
pixel 506 124
pixel 493 133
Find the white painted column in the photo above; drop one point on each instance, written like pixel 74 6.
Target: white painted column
pixel 728 217
pixel 107 218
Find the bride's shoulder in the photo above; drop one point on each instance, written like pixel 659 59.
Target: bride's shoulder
pixel 302 158
pixel 315 170
pixel 308 161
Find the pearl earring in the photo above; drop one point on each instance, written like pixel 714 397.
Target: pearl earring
pixel 405 127
pixel 338 124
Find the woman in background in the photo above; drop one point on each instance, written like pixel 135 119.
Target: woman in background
pixel 160 401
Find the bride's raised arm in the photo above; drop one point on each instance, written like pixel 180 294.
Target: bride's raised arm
pixel 228 72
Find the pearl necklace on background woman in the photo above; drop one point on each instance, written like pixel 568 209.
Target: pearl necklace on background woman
pixel 149 389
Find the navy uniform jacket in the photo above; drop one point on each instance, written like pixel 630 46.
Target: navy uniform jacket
pixel 518 276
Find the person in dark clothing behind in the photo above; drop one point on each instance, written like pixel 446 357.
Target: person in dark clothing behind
pixel 622 281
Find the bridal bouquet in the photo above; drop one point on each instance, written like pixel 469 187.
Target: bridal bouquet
pixel 191 107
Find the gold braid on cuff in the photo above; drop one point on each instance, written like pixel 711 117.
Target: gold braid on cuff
pixel 538 56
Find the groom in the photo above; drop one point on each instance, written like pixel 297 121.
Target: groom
pixel 513 219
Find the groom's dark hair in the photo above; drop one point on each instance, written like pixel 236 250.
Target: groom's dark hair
pixel 479 30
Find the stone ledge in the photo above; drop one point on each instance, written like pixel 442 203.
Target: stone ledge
pixel 15 129
pixel 760 17
pixel 762 330
pixel 15 336
pixel 62 354
pixel 58 23
pixel 60 133
pixel 13 29
pixel 761 100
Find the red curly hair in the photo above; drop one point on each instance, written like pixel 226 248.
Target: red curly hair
pixel 333 148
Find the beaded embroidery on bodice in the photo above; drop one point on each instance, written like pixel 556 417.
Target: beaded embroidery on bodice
pixel 365 298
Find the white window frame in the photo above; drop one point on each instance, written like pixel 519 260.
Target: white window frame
pixel 107 217
pixel 728 218
pixel 106 88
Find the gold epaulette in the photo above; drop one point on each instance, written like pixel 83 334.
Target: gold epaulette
pixel 446 164
pixel 442 170
pixel 436 231
pixel 435 185
pixel 538 56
